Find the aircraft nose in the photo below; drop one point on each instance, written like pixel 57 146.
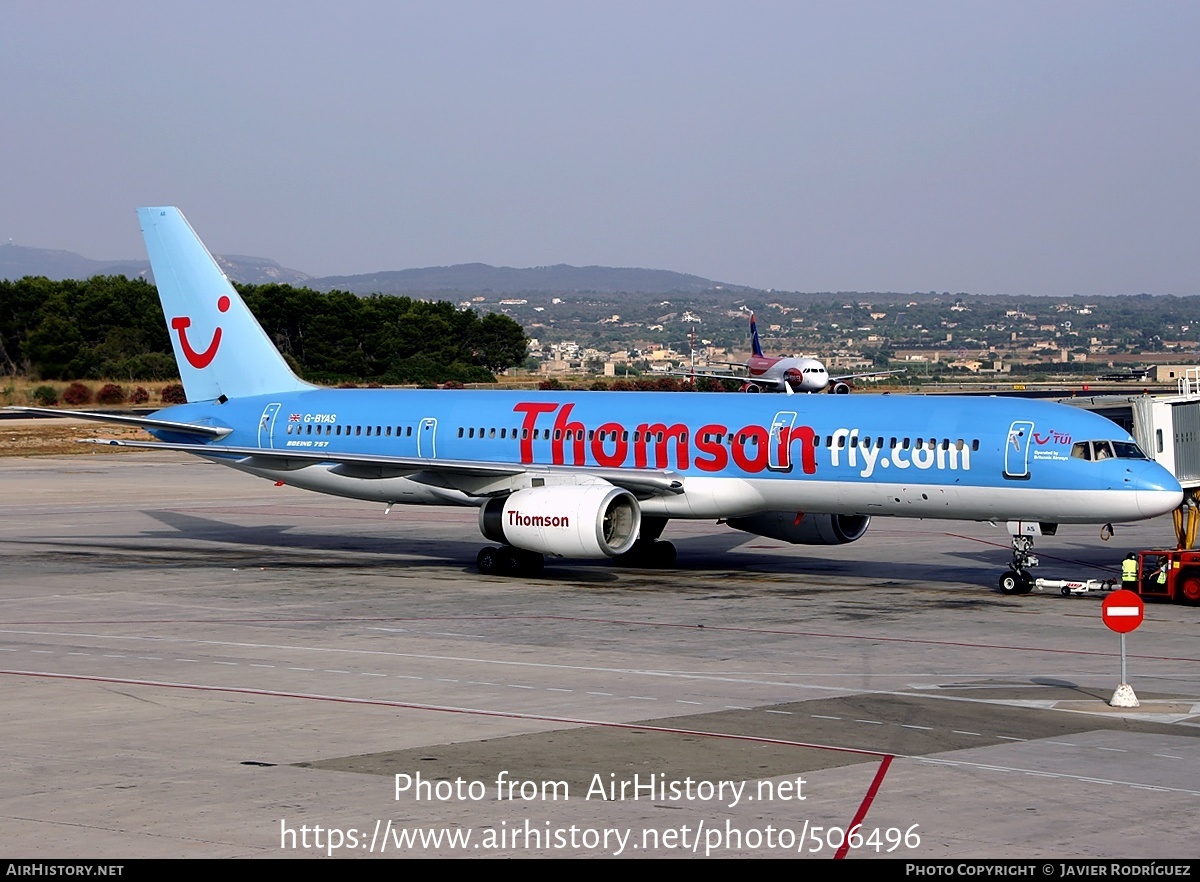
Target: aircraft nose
pixel 1157 490
pixel 1152 503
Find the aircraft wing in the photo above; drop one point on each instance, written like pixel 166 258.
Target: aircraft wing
pixel 470 476
pixel 775 384
pixel 866 374
pixel 710 376
pixel 213 433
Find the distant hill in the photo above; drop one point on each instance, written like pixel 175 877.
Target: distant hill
pixel 481 278
pixel 17 261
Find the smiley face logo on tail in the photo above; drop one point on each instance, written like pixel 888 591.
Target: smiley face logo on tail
pixel 199 360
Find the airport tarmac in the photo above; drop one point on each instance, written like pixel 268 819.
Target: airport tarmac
pixel 197 663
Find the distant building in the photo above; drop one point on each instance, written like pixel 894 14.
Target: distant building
pixel 1171 373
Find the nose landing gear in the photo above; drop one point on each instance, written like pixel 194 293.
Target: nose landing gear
pixel 1017 579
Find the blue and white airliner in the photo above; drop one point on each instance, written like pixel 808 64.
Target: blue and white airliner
pixel 600 474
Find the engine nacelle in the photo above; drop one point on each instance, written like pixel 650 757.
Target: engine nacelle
pixel 580 521
pixel 809 529
pixel 840 388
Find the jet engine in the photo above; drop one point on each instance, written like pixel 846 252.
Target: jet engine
pixel 840 388
pixel 805 529
pixel 589 521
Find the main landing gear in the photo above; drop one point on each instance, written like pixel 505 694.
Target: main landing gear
pixel 1017 579
pixel 649 554
pixel 509 561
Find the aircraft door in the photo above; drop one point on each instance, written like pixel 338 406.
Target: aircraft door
pixel 427 438
pixel 1016 450
pixel 266 425
pixel 779 442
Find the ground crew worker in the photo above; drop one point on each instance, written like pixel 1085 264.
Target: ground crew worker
pixel 1156 582
pixel 1129 572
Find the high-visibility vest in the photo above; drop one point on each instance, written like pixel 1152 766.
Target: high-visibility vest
pixel 1129 571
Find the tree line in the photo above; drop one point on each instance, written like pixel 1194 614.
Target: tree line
pixel 112 327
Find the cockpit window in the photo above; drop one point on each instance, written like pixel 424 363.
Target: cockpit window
pixel 1128 450
pixel 1098 450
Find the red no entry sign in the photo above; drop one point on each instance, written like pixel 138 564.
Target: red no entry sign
pixel 1123 611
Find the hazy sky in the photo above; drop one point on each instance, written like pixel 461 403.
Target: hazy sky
pixel 990 147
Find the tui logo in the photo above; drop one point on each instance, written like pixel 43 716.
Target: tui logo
pixel 199 360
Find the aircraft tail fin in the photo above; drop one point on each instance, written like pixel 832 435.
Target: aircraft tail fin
pixel 755 345
pixel 219 346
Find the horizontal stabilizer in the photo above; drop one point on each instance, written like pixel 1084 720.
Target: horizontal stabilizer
pixel 212 432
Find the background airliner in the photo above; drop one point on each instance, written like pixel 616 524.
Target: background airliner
pixel 600 474
pixel 786 373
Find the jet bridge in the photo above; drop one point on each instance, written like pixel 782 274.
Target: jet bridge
pixel 1166 427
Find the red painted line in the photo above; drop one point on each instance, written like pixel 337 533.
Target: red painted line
pixel 729 629
pixel 405 705
pixel 866 804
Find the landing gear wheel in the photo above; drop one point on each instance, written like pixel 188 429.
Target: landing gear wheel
pixel 509 561
pixel 654 555
pixel 1010 583
pixel 1065 591
pixel 662 555
pixel 488 560
pixel 531 563
pixel 1026 585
